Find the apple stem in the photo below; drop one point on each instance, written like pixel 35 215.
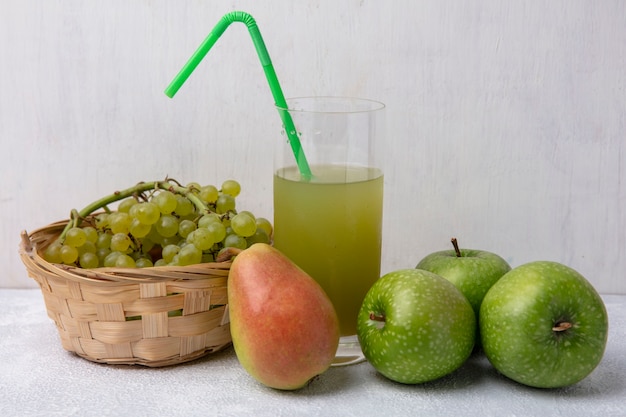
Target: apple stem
pixel 562 326
pixel 376 317
pixel 456 247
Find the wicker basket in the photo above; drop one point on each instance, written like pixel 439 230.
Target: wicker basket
pixel 150 316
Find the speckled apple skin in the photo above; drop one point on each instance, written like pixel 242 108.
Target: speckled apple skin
pixel 473 273
pixel 516 320
pixel 429 329
pixel 284 328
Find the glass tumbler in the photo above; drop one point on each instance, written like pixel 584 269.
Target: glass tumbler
pixel 330 224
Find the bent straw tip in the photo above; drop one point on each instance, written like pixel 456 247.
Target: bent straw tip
pixel 170 91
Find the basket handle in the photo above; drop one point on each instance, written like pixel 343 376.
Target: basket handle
pixel 26 245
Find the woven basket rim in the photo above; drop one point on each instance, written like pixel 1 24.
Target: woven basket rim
pixel 32 243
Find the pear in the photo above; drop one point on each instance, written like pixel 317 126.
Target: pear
pixel 284 328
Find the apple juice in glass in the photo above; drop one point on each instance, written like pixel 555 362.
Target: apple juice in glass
pixel 330 224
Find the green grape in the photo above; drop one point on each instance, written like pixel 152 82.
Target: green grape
pixel 147 245
pixel 189 255
pixel 201 238
pixel 194 187
pixel 169 251
pixel 207 219
pixel 69 254
pixel 235 241
pixel 184 207
pixel 166 201
pixel 185 227
pixel 110 259
pixel 52 253
pixel 104 240
pixel 243 224
pixel 87 247
pixel 174 261
pixel 102 220
pixel 102 253
pixel 75 237
pixel 120 242
pixel 136 254
pixel 217 231
pixel 125 261
pixel 160 262
pixel 207 257
pixel 154 236
pixel 132 211
pixel 125 205
pixel 119 222
pixel 143 262
pixel 225 203
pixel 146 212
pixel 258 237
pixel 88 260
pixel 209 194
pixel 91 233
pixel 249 213
pixel 192 216
pixel 138 229
pixel 231 187
pixel 167 225
pixel 264 224
pixel 172 240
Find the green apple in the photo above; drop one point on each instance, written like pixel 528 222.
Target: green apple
pixel 415 326
pixel 543 325
pixel 472 271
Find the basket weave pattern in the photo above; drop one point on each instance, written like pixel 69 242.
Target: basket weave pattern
pixel 150 316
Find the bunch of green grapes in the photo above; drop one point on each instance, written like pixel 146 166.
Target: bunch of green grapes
pixel 157 224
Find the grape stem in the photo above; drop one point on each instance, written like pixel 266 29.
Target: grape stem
pixel 76 217
pixel 456 247
pixel 188 192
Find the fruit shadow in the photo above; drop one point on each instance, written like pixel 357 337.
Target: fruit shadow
pixel 329 383
pixel 475 371
pixel 218 358
pixel 351 378
pixel 604 383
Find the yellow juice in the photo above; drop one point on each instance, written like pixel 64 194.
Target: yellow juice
pixel 331 227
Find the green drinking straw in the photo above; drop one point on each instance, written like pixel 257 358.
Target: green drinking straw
pixel 270 74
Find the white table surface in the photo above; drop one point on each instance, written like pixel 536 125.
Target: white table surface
pixel 38 377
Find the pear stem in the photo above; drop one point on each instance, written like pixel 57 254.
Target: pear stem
pixel 562 326
pixel 456 247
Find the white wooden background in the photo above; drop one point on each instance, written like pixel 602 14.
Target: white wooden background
pixel 506 120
